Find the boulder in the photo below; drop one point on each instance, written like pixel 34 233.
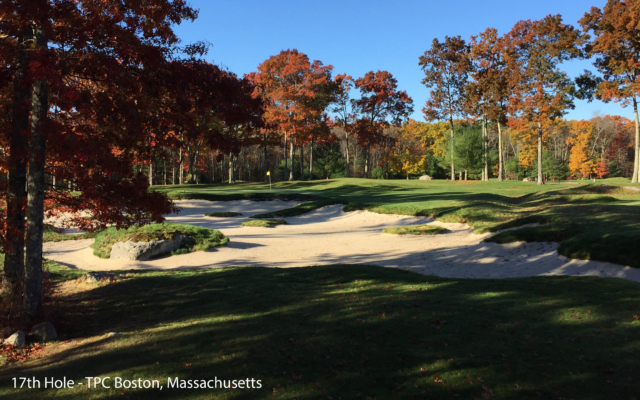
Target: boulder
pixel 425 178
pixel 43 332
pixel 527 180
pixel 145 250
pixel 95 277
pixel 16 340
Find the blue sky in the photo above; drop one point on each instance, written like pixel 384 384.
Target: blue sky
pixel 356 36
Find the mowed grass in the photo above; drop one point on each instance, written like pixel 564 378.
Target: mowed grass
pixel 599 221
pixel 415 230
pixel 347 332
pixel 53 235
pixel 263 223
pixel 202 239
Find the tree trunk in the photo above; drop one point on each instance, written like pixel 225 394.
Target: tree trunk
pixel 195 166
pixel 366 160
pixel 18 156
pixel 453 171
pixel 485 147
pixel 284 155
pixel 266 165
pixel 311 159
pixel 173 175
pixel 180 166
pixel 36 184
pixel 636 158
pixel 540 179
pixel 346 136
pixel 301 163
pixel 291 158
pixel 500 168
pixel 151 173
pixel 231 179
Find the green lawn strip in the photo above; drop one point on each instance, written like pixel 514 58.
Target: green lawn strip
pixel 52 235
pixel 202 238
pixel 263 223
pixel 415 230
pixel 223 214
pixel 348 332
pixel 296 210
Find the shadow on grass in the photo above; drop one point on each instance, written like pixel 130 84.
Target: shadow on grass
pixel 353 331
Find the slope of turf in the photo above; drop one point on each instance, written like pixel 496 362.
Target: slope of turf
pixel 202 239
pixel 347 332
pixel 263 223
pixel 599 221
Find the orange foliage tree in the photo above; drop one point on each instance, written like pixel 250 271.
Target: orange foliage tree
pixel 615 44
pixel 541 92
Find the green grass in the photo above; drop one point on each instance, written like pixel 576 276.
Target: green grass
pixel 347 332
pixel 52 235
pixel 296 210
pixel 415 230
pixel 223 214
pixel 589 220
pixel 202 238
pixel 264 223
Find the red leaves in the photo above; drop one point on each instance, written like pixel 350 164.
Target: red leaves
pixel 22 354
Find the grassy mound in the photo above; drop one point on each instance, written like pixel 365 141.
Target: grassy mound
pixel 223 214
pixel 415 230
pixel 264 223
pixel 202 238
pixel 347 331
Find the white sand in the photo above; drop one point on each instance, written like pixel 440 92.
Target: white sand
pixel 330 236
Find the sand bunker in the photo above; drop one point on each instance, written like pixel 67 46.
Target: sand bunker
pixel 331 236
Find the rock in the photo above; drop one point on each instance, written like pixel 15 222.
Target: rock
pixel 527 180
pixel 43 332
pixel 17 340
pixel 145 250
pixel 94 277
pixel 425 178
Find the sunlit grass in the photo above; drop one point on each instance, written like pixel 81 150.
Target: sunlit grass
pixel 263 223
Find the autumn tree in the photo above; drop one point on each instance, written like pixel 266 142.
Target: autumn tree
pixel 489 87
pixel 345 111
pixel 581 163
pixel 85 80
pixel 381 104
pixel 446 66
pixel 541 91
pixel 290 85
pixel 616 48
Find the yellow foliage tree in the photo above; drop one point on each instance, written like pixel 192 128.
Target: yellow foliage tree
pixel 581 164
pixel 416 142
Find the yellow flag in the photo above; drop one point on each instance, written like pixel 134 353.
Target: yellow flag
pixel 268 172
